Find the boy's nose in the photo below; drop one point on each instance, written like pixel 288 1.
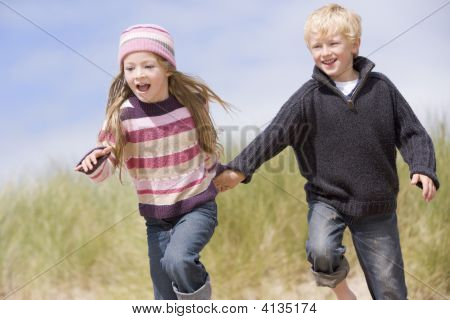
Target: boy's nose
pixel 325 51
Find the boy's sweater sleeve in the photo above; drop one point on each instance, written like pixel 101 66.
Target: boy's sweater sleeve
pixel 413 141
pixel 104 167
pixel 278 135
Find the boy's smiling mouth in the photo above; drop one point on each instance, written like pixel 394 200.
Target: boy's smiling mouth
pixel 329 61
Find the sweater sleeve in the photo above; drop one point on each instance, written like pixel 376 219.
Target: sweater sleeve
pixel 277 136
pixel 413 141
pixel 104 167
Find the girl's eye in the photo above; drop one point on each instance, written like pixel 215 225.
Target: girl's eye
pixel 149 67
pixel 129 69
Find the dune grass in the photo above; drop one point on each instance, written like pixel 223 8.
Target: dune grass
pixel 62 237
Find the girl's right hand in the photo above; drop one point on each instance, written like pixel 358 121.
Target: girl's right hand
pixel 91 159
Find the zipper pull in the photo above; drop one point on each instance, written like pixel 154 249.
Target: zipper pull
pixel 350 103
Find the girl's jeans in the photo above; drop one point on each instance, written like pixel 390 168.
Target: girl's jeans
pixel 174 246
pixel 377 245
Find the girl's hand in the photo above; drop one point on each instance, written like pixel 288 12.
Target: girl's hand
pixel 91 159
pixel 428 187
pixel 228 180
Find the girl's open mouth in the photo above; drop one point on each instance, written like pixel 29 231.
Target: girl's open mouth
pixel 143 87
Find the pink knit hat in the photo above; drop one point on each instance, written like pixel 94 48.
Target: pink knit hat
pixel 147 37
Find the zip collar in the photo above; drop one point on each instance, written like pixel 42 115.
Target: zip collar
pixel 361 64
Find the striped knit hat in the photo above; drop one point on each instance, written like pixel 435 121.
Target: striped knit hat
pixel 147 37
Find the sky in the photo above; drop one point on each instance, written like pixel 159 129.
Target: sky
pixel 58 59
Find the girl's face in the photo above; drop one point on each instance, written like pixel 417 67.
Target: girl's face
pixel 146 77
pixel 333 54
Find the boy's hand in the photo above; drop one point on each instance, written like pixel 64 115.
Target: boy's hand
pixel 228 180
pixel 91 159
pixel 428 187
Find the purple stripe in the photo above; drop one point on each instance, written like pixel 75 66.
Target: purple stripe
pixel 142 109
pixel 179 208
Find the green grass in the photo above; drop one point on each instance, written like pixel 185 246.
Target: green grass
pixel 63 233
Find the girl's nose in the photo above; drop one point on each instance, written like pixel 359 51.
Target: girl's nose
pixel 139 73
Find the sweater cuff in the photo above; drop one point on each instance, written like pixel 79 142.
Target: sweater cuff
pixel 95 166
pixel 427 172
pixel 219 169
pixel 235 167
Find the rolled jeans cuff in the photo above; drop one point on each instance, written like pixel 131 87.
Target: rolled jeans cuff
pixel 333 279
pixel 204 293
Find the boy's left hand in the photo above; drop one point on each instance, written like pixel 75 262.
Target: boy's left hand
pixel 228 180
pixel 428 187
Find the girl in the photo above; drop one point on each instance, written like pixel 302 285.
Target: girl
pixel 157 125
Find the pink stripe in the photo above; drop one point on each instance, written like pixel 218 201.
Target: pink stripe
pixel 164 161
pixel 161 132
pixel 170 183
pixel 169 191
pixel 156 121
pixel 106 136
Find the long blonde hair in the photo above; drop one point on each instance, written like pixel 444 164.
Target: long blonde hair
pixel 188 90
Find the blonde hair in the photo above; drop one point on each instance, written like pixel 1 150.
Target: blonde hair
pixel 189 91
pixel 331 19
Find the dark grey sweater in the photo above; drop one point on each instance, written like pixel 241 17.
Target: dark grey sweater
pixel 346 146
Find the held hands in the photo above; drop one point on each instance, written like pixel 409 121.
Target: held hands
pixel 91 159
pixel 228 180
pixel 428 187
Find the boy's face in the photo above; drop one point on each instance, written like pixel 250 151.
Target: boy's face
pixel 146 77
pixel 333 54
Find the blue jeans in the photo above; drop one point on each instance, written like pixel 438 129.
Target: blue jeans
pixel 377 245
pixel 174 247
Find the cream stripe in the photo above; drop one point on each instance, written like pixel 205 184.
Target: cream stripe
pixel 100 170
pixel 169 199
pixel 126 104
pixel 146 35
pixel 172 183
pixel 106 171
pixel 161 147
pixel 211 159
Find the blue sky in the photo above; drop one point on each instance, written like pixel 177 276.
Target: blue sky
pixel 250 52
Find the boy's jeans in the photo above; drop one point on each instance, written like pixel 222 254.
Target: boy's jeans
pixel 377 245
pixel 174 246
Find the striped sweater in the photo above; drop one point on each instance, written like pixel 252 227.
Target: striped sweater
pixel 170 172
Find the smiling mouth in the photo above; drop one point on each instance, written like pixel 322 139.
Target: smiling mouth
pixel 142 87
pixel 329 62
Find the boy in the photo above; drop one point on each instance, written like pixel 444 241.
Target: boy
pixel 344 126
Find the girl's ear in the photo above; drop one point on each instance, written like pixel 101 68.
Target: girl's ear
pixel 169 69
